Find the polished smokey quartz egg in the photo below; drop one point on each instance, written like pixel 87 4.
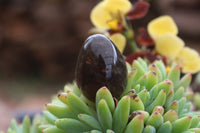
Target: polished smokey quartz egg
pixel 100 64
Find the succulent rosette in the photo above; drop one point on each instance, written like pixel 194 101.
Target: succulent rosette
pixel 153 101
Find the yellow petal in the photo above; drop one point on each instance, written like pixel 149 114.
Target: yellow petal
pixel 162 25
pixel 119 40
pixel 108 10
pixel 113 24
pixel 169 45
pixel 118 5
pixel 191 66
pixel 188 54
pixel 189 60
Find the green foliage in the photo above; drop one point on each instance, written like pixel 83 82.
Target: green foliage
pixel 26 126
pixel 153 102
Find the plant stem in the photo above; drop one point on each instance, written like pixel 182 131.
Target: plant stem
pixel 133 45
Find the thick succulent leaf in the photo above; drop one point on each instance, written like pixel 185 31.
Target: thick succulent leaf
pixel 181 125
pixel 159 109
pixel 179 93
pixel 121 114
pixel 149 129
pixel 26 124
pixel 154 68
pixel 195 121
pixel 142 80
pixel 73 88
pixel 53 129
pixel 90 121
pixel 185 81
pixel 143 63
pixel 49 117
pixel 140 69
pixel 174 106
pixel 61 111
pixel 174 74
pixel 161 66
pixel 105 94
pixel 169 98
pixel 14 126
pixel 159 101
pixel 170 115
pixel 72 126
pixel 144 114
pixel 129 86
pixel 196 130
pixel 181 104
pixel 152 79
pixel 136 103
pixel 78 105
pixel 165 128
pixel 135 125
pixel 144 96
pixel 155 120
pixel 104 115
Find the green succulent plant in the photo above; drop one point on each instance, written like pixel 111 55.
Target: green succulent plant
pixel 153 101
pixel 27 126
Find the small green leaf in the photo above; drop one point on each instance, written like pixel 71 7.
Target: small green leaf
pixel 49 117
pixel 195 121
pixel 184 82
pixel 26 124
pixel 159 101
pixel 53 129
pixel 152 79
pixel 149 129
pixel 181 124
pixel 155 120
pixel 170 115
pixel 162 68
pixel 104 115
pixel 61 111
pixel 72 125
pixel 144 96
pixel 78 105
pixel 136 103
pixel 165 128
pixel 90 121
pixel 104 93
pixel 174 74
pixel 135 125
pixel 121 114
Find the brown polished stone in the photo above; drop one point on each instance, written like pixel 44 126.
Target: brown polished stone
pixel 100 64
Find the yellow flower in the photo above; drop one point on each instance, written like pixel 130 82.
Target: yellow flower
pixel 162 25
pixel 169 45
pixel 189 60
pixel 108 13
pixel 164 32
pixel 119 40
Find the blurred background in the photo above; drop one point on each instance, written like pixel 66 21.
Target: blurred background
pixel 40 41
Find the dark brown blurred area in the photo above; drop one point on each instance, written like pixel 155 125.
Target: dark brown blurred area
pixel 40 41
pixel 42 38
